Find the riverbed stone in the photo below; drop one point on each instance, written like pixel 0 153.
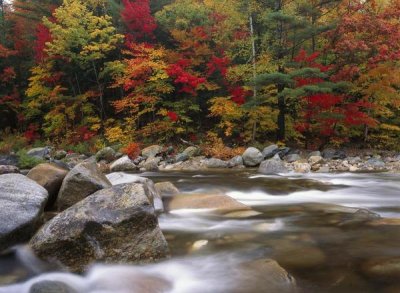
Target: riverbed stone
pixel 264 276
pixel 107 154
pixel 47 286
pixel 382 269
pixel 315 154
pixel 22 202
pixel 83 180
pixel 166 188
pixel 301 167
pixel 252 157
pixel 123 164
pixel 272 166
pixel 50 176
pixel 221 204
pixel 332 154
pixel 117 178
pixel 8 169
pixel 113 225
pixel 152 151
pixel 270 151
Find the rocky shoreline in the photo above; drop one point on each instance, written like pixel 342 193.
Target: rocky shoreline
pixel 75 210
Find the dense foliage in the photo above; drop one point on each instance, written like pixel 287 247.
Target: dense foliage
pixel 216 72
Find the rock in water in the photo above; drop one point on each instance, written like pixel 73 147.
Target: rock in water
pixel 22 201
pixel 166 188
pixel 154 196
pixel 83 180
pixel 113 225
pixel 50 176
pixel 252 157
pixel 273 166
pixel 264 276
pixel 191 151
pixel 270 151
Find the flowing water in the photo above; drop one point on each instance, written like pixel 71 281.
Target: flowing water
pixel 324 229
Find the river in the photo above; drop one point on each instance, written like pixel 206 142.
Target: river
pixel 331 232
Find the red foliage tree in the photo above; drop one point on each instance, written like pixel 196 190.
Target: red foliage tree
pixel 138 19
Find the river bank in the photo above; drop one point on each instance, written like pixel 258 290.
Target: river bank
pixel 220 229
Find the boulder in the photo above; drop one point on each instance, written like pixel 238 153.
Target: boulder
pixel 50 176
pixel 375 163
pixel 113 225
pixel 46 286
pixel 332 154
pixel 40 153
pixel 107 154
pixel 235 162
pixel 270 151
pixel 382 268
pixel 59 155
pixel 313 160
pixel 214 163
pixel 83 180
pixel 272 166
pixel 151 164
pixel 264 276
pixel 191 151
pixel 9 160
pixel 152 151
pixel 166 189
pixel 216 203
pixel 123 178
pixel 293 158
pixel 22 202
pixel 123 164
pixel 300 167
pixel 8 169
pixel 315 154
pixel 252 157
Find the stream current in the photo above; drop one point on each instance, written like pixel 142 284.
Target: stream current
pixel 331 232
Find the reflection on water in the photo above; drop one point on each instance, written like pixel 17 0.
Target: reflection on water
pixel 316 226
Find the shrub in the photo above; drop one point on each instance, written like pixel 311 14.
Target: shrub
pixel 216 148
pixel 132 150
pixel 27 162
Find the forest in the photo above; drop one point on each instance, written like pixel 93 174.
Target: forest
pixel 81 75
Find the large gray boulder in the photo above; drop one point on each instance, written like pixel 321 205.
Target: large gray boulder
pixel 113 225
pixel 272 166
pixel 166 189
pixel 50 176
pixel 117 178
pixel 83 180
pixel 123 164
pixel 252 157
pixel 22 201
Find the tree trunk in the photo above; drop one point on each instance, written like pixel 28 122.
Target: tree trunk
pixel 253 45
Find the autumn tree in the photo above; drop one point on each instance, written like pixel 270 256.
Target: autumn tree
pixel 68 85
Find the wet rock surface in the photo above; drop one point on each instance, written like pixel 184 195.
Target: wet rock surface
pixel 22 202
pixel 116 225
